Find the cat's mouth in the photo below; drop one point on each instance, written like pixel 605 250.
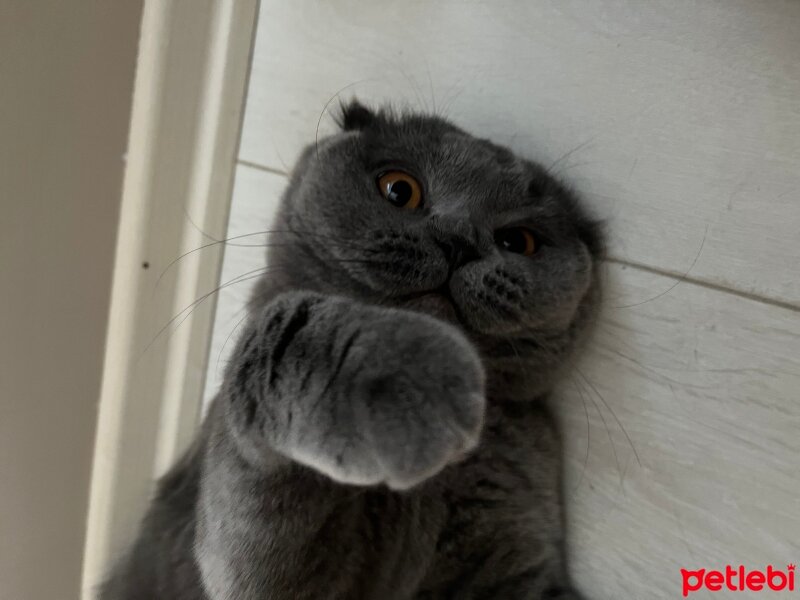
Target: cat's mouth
pixel 437 302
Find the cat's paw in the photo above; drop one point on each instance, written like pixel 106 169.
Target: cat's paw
pixel 421 400
pixel 408 400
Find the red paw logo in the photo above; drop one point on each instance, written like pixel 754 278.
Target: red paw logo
pixel 738 579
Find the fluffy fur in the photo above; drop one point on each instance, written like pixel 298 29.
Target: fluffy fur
pixel 383 431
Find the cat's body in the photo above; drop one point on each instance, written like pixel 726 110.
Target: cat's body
pixel 383 432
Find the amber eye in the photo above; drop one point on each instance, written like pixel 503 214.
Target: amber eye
pixel 401 189
pixel 516 239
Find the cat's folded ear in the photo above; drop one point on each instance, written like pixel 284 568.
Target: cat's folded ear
pixel 354 115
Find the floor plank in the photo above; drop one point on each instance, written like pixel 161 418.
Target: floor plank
pixel 706 386
pixel 680 121
pixel 702 384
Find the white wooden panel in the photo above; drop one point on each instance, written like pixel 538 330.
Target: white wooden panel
pixel 188 99
pixel 705 384
pixel 681 117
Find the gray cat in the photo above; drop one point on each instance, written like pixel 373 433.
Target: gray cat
pixel 383 431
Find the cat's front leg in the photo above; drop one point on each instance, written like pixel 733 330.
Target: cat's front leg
pixel 357 395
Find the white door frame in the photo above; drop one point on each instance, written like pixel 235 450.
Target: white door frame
pixel 191 80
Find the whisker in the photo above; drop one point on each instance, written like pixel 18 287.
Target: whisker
pixel 227 241
pixel 681 279
pixel 610 437
pixel 569 153
pixel 660 377
pixel 611 410
pixel 430 86
pixel 325 109
pixel 451 96
pixel 203 247
pixel 240 279
pixel 573 166
pixel 197 227
pixel 414 87
pixel 227 339
pixel 588 434
pixel 205 297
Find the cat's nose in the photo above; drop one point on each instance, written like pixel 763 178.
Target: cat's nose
pixel 458 251
pixel 457 239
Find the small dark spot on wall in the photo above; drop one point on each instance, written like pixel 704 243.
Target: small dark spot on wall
pixel 145 265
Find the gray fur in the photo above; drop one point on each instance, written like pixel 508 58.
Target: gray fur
pixel 373 440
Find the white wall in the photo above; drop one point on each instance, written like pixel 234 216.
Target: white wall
pixel 67 72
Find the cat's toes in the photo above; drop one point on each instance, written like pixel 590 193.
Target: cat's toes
pixel 417 428
pixel 411 452
pixel 401 436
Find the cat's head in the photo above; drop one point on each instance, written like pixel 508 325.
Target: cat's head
pixel 409 210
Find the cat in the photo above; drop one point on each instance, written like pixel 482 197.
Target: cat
pixel 383 429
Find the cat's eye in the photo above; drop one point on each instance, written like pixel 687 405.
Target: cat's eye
pixel 519 240
pixel 400 188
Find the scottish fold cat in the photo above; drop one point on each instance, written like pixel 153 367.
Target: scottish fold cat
pixel 383 430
